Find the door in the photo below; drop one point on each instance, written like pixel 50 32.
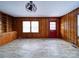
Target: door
pixel 52 29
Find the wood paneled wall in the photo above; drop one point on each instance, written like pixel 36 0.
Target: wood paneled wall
pixel 7 37
pixel 69 26
pixel 6 23
pixel 6 33
pixel 43 22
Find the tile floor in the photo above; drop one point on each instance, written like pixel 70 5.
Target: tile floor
pixel 39 48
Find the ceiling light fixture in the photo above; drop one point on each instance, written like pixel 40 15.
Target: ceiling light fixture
pixel 31 7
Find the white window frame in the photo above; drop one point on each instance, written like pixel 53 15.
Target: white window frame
pixel 52 25
pixel 35 29
pixel 31 28
pixel 25 25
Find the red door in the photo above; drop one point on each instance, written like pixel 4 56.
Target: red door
pixel 52 29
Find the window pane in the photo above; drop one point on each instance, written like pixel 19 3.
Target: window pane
pixel 52 25
pixel 34 26
pixel 26 26
pixel 78 25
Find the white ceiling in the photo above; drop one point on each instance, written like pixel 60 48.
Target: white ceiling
pixel 44 8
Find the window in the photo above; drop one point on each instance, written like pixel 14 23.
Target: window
pixel 34 26
pixel 78 25
pixel 26 26
pixel 31 26
pixel 52 25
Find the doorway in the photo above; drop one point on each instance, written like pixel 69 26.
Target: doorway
pixel 52 29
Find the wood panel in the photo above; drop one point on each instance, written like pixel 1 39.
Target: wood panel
pixel 69 26
pixel 54 33
pixel 7 37
pixel 6 22
pixel 43 29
